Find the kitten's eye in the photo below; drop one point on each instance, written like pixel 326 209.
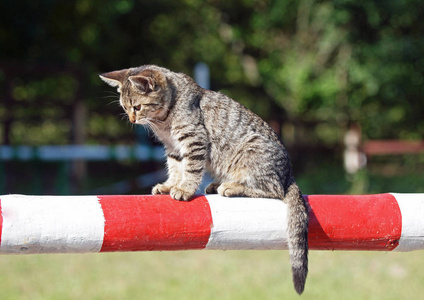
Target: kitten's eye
pixel 137 108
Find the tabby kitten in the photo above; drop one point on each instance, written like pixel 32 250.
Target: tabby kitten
pixel 206 130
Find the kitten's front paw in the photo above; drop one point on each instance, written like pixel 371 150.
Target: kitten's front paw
pixel 180 194
pixel 161 189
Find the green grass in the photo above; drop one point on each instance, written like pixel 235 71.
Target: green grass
pixel 210 275
pixel 228 275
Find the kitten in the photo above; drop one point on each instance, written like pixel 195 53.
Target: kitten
pixel 206 130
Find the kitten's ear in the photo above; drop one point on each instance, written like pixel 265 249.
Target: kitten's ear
pixel 143 84
pixel 114 78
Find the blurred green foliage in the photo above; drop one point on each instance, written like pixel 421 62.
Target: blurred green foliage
pixel 311 68
pixel 322 64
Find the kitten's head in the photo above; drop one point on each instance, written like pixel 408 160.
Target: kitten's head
pixel 143 94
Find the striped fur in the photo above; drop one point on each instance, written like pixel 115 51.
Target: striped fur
pixel 203 131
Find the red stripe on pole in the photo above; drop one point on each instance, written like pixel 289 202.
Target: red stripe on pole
pixel 140 223
pixel 366 222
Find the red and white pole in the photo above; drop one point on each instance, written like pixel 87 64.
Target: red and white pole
pixel 76 224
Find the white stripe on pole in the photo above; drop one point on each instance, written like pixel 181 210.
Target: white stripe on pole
pixel 51 224
pixel 412 210
pixel 247 223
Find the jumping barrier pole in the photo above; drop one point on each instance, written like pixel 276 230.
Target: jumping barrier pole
pixel 77 224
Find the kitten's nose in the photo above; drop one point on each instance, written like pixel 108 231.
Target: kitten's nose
pixel 132 119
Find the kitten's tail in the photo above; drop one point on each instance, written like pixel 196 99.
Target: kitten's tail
pixel 298 219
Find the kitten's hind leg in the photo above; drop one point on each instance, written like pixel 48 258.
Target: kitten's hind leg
pixel 212 188
pixel 231 189
pixel 235 189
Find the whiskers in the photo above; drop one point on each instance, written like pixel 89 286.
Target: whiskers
pixel 113 95
pixel 114 102
pixel 123 116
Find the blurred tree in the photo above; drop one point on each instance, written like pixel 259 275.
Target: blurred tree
pixel 316 64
